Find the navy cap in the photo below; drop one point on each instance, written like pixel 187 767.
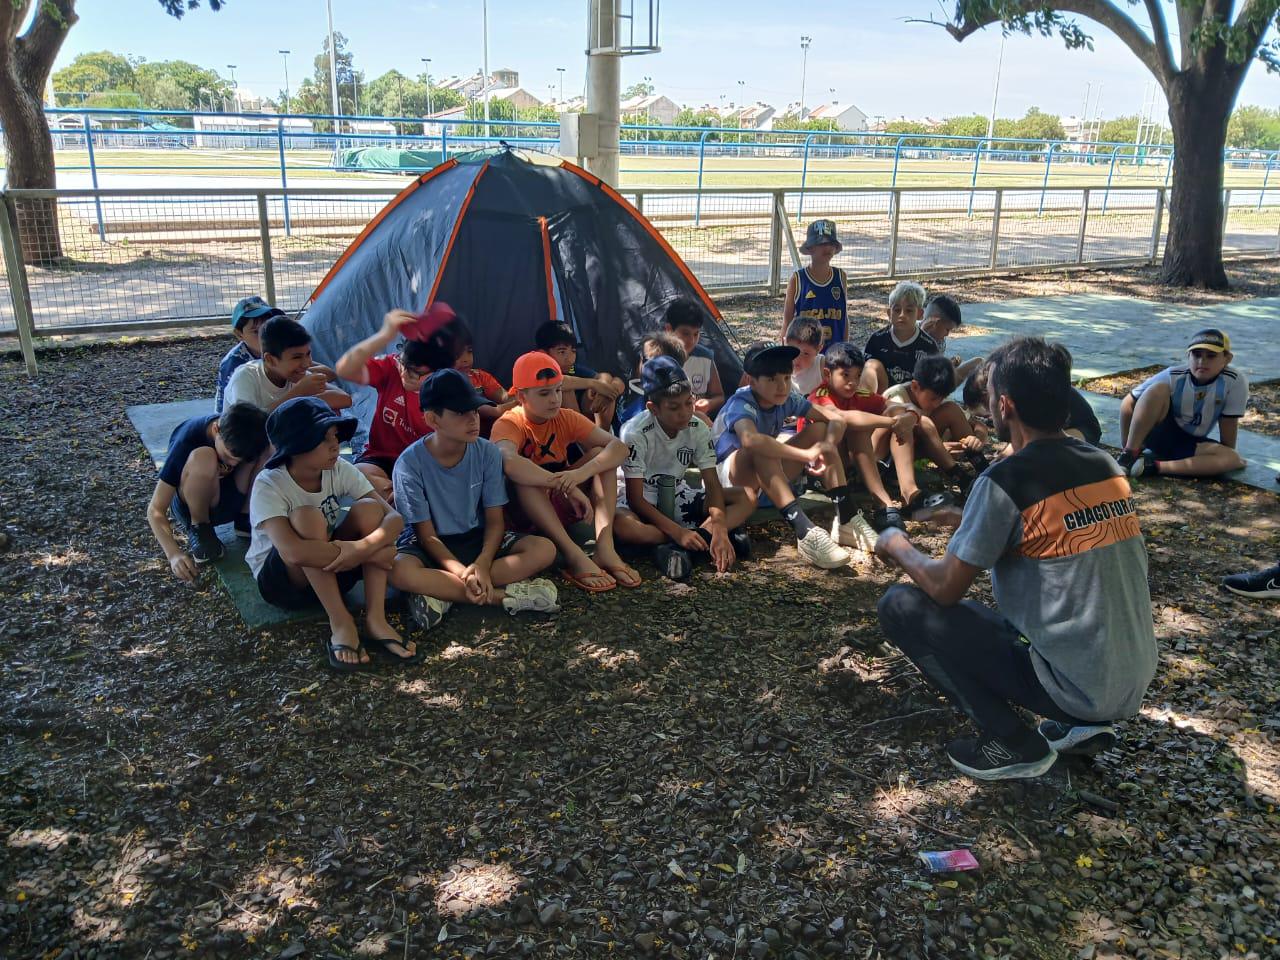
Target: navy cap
pixel 299 426
pixel 821 233
pixel 660 373
pixel 251 308
pixel 767 359
pixel 452 390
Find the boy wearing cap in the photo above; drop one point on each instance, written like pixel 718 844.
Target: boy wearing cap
pixel 586 391
pixel 285 371
pixel 662 443
pixel 817 292
pixel 246 326
pixel 541 431
pixel 684 320
pixel 1165 422
pixel 304 551
pixel 455 547
pixel 752 457
pixel 892 352
pixel 205 481
pixel 398 420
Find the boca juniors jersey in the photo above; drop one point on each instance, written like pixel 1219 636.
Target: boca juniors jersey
pixel 823 302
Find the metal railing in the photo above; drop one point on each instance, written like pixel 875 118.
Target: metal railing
pixel 161 258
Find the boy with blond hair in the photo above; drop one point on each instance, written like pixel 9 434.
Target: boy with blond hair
pixel 892 351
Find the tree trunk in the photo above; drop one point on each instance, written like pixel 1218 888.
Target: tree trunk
pixel 29 148
pixel 1198 111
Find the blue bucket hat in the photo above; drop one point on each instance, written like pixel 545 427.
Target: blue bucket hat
pixel 821 233
pixel 299 426
pixel 250 308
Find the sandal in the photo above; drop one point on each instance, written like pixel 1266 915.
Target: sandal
pixel 331 648
pixel 630 571
pixel 581 581
pixel 382 647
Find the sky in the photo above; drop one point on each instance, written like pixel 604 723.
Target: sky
pixel 743 51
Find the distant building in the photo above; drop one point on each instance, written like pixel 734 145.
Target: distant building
pixel 233 130
pixel 845 115
pixel 756 116
pixel 519 97
pixel 654 109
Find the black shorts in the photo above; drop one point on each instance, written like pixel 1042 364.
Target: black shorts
pixel 279 591
pixel 229 506
pixel 385 464
pixel 466 547
pixel 1168 441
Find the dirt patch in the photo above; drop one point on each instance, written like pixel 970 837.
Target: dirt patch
pixel 732 767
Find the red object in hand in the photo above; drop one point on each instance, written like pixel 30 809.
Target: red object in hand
pixel 429 321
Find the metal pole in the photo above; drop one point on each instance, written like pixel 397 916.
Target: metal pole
pixel 1084 220
pixel 995 228
pixel 804 177
pixel 702 158
pixel 775 244
pixel 1226 210
pixel 284 179
pixel 604 76
pixel 1266 173
pixel 284 55
pixel 893 232
pixel 333 75
pixel 484 81
pixel 804 69
pixel 995 92
pixel 430 108
pixel 93 177
pixel 18 292
pixel 1045 185
pixel 973 180
pixel 1110 173
pixel 264 232
pixel 1157 223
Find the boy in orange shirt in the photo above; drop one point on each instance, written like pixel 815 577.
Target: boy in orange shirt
pixel 541 431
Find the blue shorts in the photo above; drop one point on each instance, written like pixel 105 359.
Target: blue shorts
pixel 1168 441
pixel 229 506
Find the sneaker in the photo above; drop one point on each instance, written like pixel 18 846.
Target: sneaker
pixel 885 517
pixel 1143 465
pixel 1259 584
pixel 536 596
pixel 204 543
pixel 992 758
pixel 426 612
pixel 856 533
pixel 674 562
pixel 741 541
pixel 1126 459
pixel 818 548
pixel 1084 740
pixel 241 524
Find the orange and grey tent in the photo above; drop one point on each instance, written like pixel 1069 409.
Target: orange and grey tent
pixel 510 242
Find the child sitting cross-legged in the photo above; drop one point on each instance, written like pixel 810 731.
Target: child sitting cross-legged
pixel 246 326
pixel 684 320
pixel 578 457
pixel 892 352
pixel 590 393
pixel 806 370
pixel 205 481
pixel 661 344
pixel 940 419
pixel 285 372
pixel 1082 422
pixel 303 550
pixel 662 442
pixel 753 457
pixel 451 490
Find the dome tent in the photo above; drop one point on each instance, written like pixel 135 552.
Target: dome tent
pixel 510 242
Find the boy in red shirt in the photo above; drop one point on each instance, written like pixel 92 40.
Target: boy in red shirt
pixel 397 377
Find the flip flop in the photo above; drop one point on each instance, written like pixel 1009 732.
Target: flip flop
pixel 382 647
pixel 613 572
pixel 581 583
pixel 341 666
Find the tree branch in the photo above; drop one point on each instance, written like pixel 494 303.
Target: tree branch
pixel 1247 32
pixel 12 16
pixel 1188 20
pixel 1160 37
pixel 36 50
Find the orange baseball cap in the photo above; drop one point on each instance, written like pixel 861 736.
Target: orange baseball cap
pixel 536 369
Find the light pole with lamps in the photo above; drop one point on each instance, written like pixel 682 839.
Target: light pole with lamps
pixel 560 70
pixel 804 69
pixel 234 89
pixel 427 63
pixel 284 55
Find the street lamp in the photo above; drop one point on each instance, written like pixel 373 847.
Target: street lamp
pixel 427 62
pixel 284 55
pixel 235 89
pixel 804 69
pixel 560 70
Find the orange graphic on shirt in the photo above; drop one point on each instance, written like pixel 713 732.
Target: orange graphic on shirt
pixel 547 443
pixel 1078 520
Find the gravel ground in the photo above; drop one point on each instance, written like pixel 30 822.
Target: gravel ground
pixel 736 767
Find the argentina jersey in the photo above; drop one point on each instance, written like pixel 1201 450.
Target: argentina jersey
pixel 1197 407
pixel 823 302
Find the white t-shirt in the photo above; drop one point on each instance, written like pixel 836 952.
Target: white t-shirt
pixel 807 381
pixel 276 494
pixel 698 367
pixel 1196 408
pixel 899 394
pixel 250 384
pixel 651 453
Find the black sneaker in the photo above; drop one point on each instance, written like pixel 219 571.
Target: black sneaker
pixel 992 758
pixel 882 518
pixel 673 561
pixel 1126 459
pixel 1259 584
pixel 204 543
pixel 242 526
pixel 741 541
pixel 1143 466
pixel 1084 740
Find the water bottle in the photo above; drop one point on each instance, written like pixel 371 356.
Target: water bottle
pixel 667 495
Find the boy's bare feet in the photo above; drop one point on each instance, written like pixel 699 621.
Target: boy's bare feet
pixel 344 645
pixel 617 568
pixel 587 575
pixel 379 632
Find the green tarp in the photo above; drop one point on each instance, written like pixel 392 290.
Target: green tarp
pixel 386 158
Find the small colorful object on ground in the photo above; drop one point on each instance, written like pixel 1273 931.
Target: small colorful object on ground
pixel 948 861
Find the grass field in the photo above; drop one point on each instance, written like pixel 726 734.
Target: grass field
pixel 669 171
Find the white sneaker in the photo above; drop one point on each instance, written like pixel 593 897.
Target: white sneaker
pixel 538 596
pixel 426 612
pixel 856 533
pixel 818 548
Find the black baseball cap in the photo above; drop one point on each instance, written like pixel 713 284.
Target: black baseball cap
pixel 660 373
pixel 1210 339
pixel 299 426
pixel 767 359
pixel 452 390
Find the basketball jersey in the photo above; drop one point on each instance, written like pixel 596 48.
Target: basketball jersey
pixel 824 303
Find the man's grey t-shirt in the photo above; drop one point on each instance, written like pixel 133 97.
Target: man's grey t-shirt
pixel 1055 524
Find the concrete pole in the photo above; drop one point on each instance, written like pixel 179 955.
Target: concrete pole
pixel 604 80
pixel 336 105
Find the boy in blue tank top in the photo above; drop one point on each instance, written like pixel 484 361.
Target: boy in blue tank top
pixel 818 291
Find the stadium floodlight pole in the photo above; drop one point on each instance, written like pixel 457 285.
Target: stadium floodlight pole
pixel 995 93
pixel 335 103
pixel 235 90
pixel 427 62
pixel 804 69
pixel 284 55
pixel 560 70
pixel 484 80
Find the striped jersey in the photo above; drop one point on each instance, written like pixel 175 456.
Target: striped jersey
pixel 1197 407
